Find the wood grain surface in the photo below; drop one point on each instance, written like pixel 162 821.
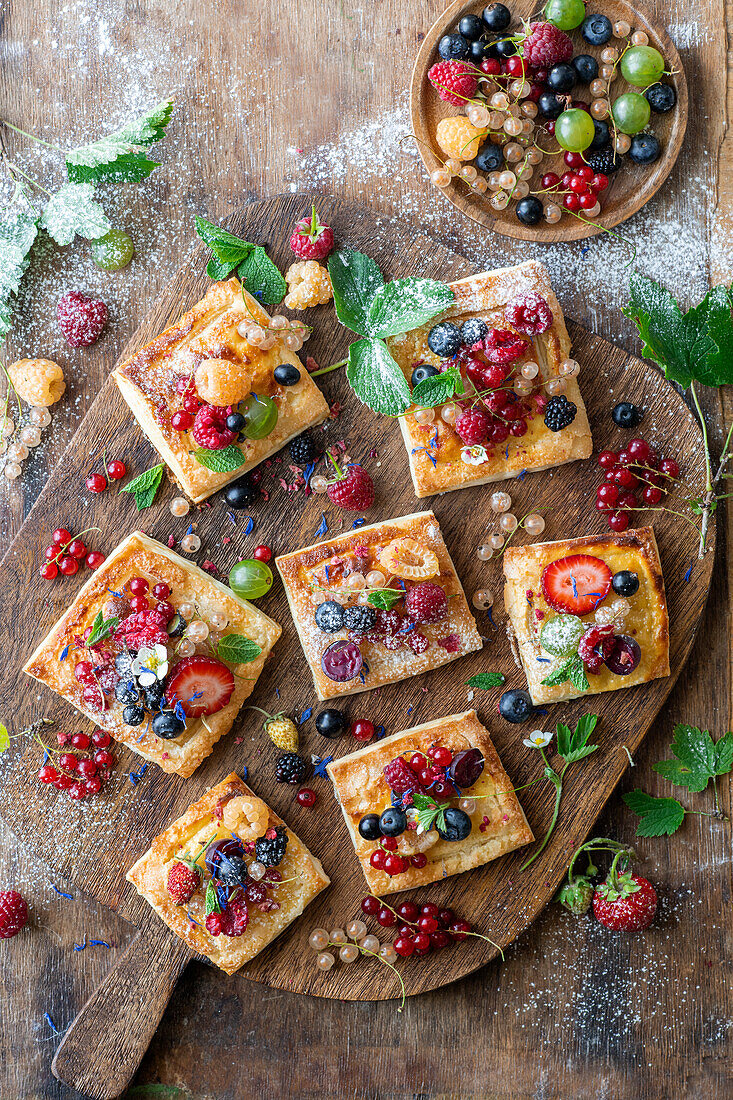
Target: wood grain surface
pixel 630 188
pixel 572 1013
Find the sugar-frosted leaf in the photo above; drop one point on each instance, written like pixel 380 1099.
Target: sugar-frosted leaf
pixel 718 368
pixel 225 460
pixel 679 342
pixel 71 211
pixel 376 379
pixel 694 765
pixel 120 157
pixel 355 279
pixel 150 127
pixel 18 231
pixel 404 304
pixel 261 278
pixel 657 816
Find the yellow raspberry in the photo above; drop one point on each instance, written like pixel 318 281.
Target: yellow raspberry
pixel 309 284
pixel 283 733
pixel 37 381
pixel 220 382
pixel 459 138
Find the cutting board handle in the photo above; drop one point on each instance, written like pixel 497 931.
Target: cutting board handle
pixel 105 1044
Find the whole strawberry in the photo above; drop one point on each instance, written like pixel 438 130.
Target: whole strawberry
pixel 81 319
pixel 13 913
pixel 625 903
pixel 353 490
pixel 546 45
pixel 281 730
pixel 310 239
pixel 454 81
pixel 184 879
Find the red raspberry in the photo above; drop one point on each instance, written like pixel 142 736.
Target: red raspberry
pixel 144 628
pixel 236 916
pixel 426 603
pixel 454 81
pixel 13 913
pixel 472 426
pixel 529 313
pixel 354 490
pixel 417 642
pixel 81 319
pixel 210 428
pixel 546 45
pixel 215 924
pixel 183 882
pixel 388 622
pixel 451 644
pixel 311 240
pixel 502 346
pixel 400 776
pixel 392 641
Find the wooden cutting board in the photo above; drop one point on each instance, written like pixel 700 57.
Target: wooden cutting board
pixel 94 843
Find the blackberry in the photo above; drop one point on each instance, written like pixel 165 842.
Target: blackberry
pixel 490 157
pixel 421 372
pixel 329 616
pixel 626 415
pixel 290 768
pixel 167 725
pixel 559 412
pixel 304 449
pixel 474 329
pixel 272 851
pixel 444 339
pixel 240 494
pixel 360 619
pixel 286 375
pixel 604 160
pixel 661 98
pixel 127 691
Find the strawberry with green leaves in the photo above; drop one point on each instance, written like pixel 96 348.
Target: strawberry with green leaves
pixel 624 902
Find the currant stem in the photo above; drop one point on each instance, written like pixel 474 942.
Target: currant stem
pixel 48 144
pixel 327 370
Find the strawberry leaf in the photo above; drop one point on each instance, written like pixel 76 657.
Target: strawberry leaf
pixel 657 816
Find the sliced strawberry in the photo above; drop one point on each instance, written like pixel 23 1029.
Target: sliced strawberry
pixel 576 584
pixel 202 685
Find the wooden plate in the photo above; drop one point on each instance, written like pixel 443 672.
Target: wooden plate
pixel 94 843
pixel 631 187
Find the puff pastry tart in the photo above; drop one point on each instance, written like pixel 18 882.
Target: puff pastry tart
pixel 339 592
pixel 203 357
pixel 588 615
pixel 408 788
pixel 229 876
pixel 157 652
pixel 505 327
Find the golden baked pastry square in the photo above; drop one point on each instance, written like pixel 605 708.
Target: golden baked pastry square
pixel 439 459
pixel 589 614
pixel 57 659
pixel 230 812
pixel 352 642
pixel 497 821
pixel 150 381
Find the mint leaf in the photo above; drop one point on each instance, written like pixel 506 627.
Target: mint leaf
pixel 237 649
pixel 429 812
pixel 261 278
pixel 562 674
pixel 101 628
pixel 217 270
pixel 355 279
pixel 4 738
pixel 384 598
pixel 438 389
pixel 657 816
pixel 227 248
pixel 222 461
pixel 486 680
pixel 376 379
pixel 71 211
pixel 120 157
pixel 145 486
pixel 211 900
pixel 679 342
pixel 404 304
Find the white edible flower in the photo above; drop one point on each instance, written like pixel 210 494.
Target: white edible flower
pixel 474 456
pixel 150 665
pixel 537 739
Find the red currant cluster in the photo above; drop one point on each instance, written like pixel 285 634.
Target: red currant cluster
pixel 138 601
pixel 84 767
pixel 67 552
pixel 581 186
pixel 420 929
pixel 115 470
pixel 386 858
pixel 636 477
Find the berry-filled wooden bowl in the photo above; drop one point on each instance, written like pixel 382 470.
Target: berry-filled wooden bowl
pixel 596 101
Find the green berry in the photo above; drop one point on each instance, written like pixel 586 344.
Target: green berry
pixel 574 130
pixel 113 251
pixel 565 14
pixel 250 579
pixel 260 415
pixel 560 635
pixel 631 112
pixel 642 66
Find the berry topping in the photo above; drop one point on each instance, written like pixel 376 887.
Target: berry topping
pixel 623 656
pixel 202 685
pixel 304 449
pixel 400 776
pixel 516 706
pixel 342 661
pixel 546 45
pixel 502 346
pixel 311 240
pixel 626 415
pixel 183 882
pixel 210 428
pixel 466 767
pixel 457 827
pixel 421 372
pixel 270 848
pixel 454 81
pixel 144 628
pixel 353 491
pixel 329 616
pixel 445 339
pixel 576 584
pixel 426 603
pixel 559 413
pixel 529 314
pixel 595 642
pixel 13 913
pixel 166 724
pixel 472 426
pixel 625 583
pixel 360 619
pixel 81 319
pixel 369 828
pixel 290 768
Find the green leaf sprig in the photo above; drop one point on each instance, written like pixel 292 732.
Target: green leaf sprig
pixel 376 310
pixel 101 628
pixel 573 670
pixel 145 486
pixel 430 812
pixel 384 599
pixel 484 681
pixel 255 270
pixel 225 460
pixel 237 649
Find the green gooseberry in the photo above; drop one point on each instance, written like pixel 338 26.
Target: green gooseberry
pixel 250 579
pixel 260 414
pixel 565 14
pixel 642 66
pixel 113 251
pixel 560 634
pixel 631 112
pixel 574 130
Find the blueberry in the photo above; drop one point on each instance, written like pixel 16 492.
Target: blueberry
pixel 423 371
pixel 329 616
pixel 167 725
pixel 176 626
pixel 471 27
pixel 286 375
pixel 330 722
pixel 473 330
pixel 133 715
pixel 550 105
pixel 232 871
pixel 154 695
pixel 481 49
pixel 497 17
pixel 236 422
pixel 505 48
pixel 453 47
pixel 602 134
pixel 393 821
pixel 586 67
pixel 444 339
pixel 490 157
pixel 529 210
pixel 625 583
pixel 126 691
pixel 360 619
pixel 516 706
pixel 369 827
pixel 644 149
pixel 123 661
pixel 561 78
pixel 457 825
pixel 596 29
pixel 661 98
pixel 626 415
pixel 240 494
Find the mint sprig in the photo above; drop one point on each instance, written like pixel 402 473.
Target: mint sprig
pixel 237 649
pixel 101 628
pixel 145 486
pixel 255 270
pixel 572 670
pixel 384 599
pixel 429 811
pixel 225 460
pixel 438 389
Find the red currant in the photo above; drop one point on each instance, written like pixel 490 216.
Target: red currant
pixel 61 536
pixel 81 741
pixel 427 924
pixel 138 586
pixel 101 739
pixel 116 469
pixel 262 553
pixel 96 483
pixel 518 428
pixel 93 785
pixel 49 570
pixel 571 202
pixel 191 404
pixel 138 603
pixel 389 843
pixel 77 549
pixel 68 566
pixel 442 788
pixel 161 591
pixel 421 942
pixel 430 910
pixel 378 858
pixel 618 521
pixel 586 173
pixel 417 762
pixel 587 201
pixel 419 860
pixel 578 185
pixel 87 768
pixel 669 467
pixel 362 730
pixel 77 791
pixel 442 756
pixel 84 672
pixel 103 758
pixel 47 774
pixel 403 946
pixel 439 940
pixel 624 477
pixel 446 917
pixel 51 553
pixel 182 420
pixel 607 459
pixel 69 761
pixel 550 181
pixel 651 495
pixel 167 609
pixel 306 797
pixel 394 865
pixel 95 559
pixel 627 499
pixel 599 182
pixel 408 911
pixel 425 776
pixel 370 905
pixel 386 917
pixel 608 491
pixel 574 160
pixel 459 928
pixel 490 66
pixel 515 65
pixel 638 450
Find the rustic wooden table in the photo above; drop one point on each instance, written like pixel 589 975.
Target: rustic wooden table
pixel 314 98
